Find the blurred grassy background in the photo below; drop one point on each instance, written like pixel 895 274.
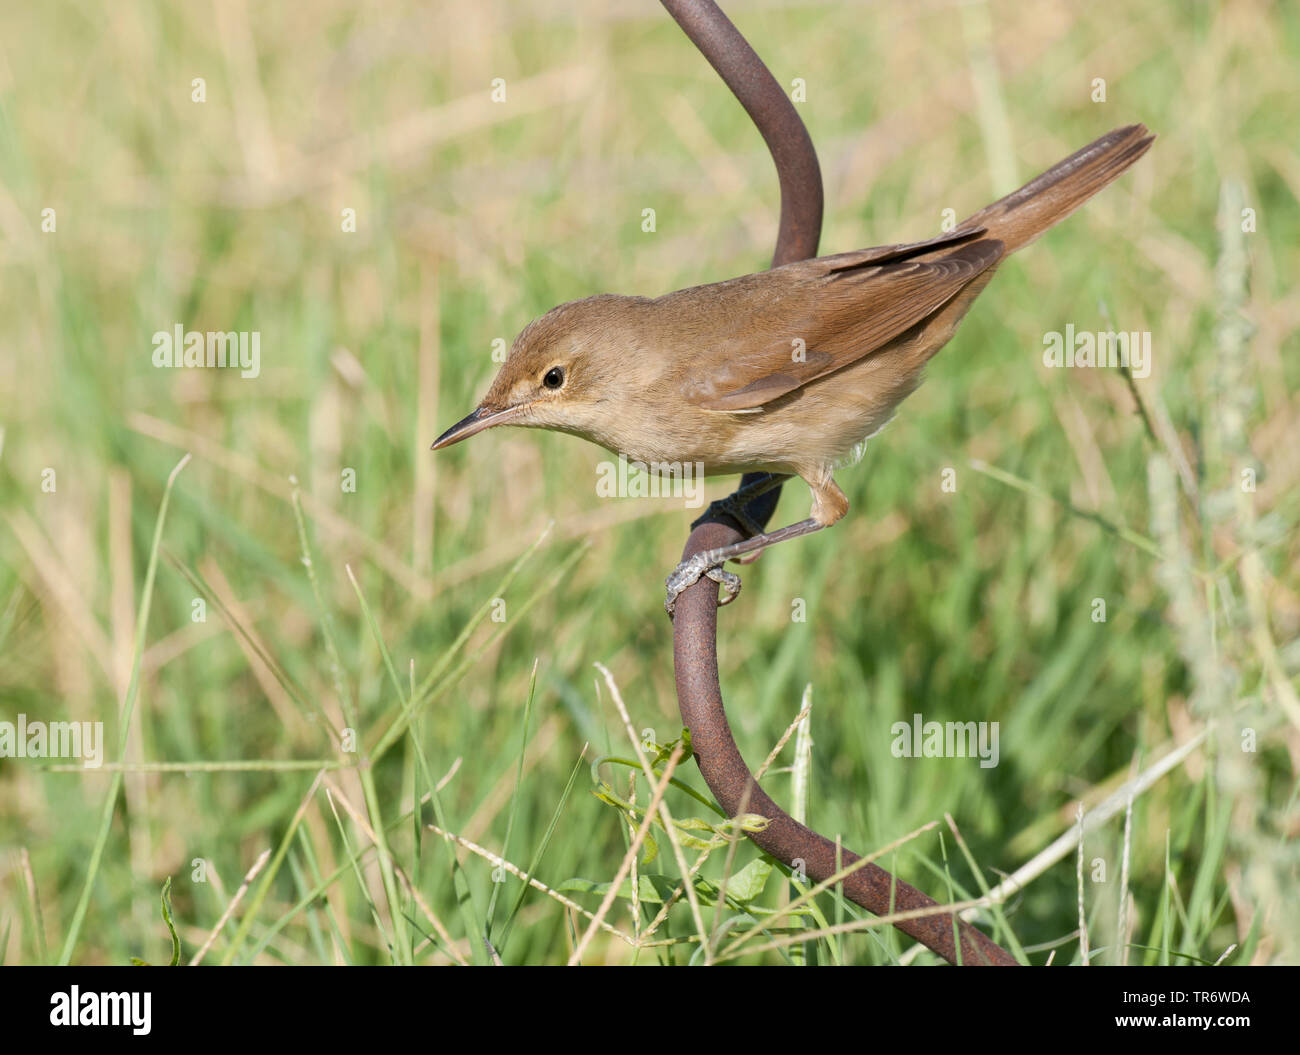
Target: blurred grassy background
pixel 474 216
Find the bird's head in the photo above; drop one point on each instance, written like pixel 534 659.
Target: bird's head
pixel 567 370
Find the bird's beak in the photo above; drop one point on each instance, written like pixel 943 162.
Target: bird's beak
pixel 481 419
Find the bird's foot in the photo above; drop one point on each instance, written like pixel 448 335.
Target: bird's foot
pixel 688 573
pixel 709 562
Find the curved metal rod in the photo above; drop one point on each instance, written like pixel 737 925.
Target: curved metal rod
pixel 695 654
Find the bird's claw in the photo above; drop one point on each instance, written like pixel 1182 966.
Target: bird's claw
pixel 688 572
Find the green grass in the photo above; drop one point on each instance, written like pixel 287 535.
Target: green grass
pixel 421 650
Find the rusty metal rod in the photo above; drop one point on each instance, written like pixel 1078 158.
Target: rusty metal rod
pixel 695 654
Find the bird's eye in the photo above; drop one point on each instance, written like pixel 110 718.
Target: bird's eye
pixel 554 377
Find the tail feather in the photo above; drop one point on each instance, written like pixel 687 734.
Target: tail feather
pixel 1024 214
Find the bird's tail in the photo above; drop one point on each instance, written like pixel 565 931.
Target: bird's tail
pixel 1023 215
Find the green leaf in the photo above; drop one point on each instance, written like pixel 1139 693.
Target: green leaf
pixel 650 846
pixel 171 928
pixel 167 918
pixel 748 883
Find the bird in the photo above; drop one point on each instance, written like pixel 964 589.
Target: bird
pixel 785 372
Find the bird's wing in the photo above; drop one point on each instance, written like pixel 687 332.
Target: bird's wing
pixel 885 254
pixel 843 308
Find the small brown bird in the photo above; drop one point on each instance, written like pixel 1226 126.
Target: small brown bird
pixel 786 371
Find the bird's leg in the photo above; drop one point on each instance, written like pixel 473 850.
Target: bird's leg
pixel 735 504
pixel 829 504
pixel 709 562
